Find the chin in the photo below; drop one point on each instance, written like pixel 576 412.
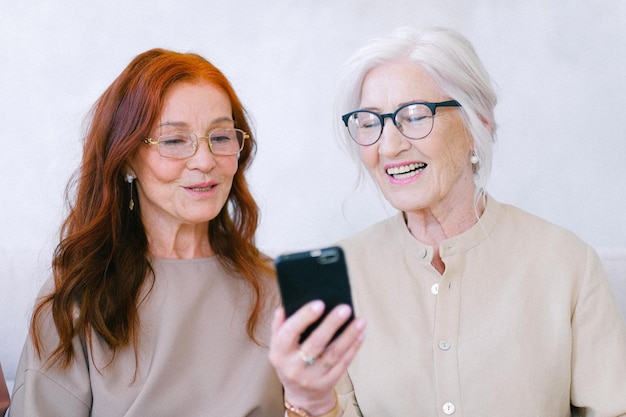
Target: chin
pixel 203 217
pixel 406 201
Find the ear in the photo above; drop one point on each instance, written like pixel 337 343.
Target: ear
pixel 129 175
pixel 485 123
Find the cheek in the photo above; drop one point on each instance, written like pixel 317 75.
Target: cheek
pixel 163 172
pixel 454 161
pixel 369 157
pixel 455 157
pixel 154 169
pixel 457 147
pixel 229 167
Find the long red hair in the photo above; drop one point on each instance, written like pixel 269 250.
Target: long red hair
pixel 101 262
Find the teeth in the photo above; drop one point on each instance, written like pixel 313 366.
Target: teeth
pixel 405 171
pixel 202 189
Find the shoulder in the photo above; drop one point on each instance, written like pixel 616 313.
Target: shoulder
pixel 372 237
pixel 522 237
pixel 519 223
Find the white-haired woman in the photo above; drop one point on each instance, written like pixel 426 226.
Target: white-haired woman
pixel 473 307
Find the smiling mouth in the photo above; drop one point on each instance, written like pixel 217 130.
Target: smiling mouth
pixel 201 189
pixel 405 171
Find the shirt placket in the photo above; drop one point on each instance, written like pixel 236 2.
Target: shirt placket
pixel 446 335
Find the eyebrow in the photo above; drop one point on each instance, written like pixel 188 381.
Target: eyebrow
pixel 376 109
pixel 184 124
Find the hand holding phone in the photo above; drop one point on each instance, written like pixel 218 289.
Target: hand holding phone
pixel 319 274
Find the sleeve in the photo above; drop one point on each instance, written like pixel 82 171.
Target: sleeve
pixel 349 407
pixel 598 346
pixel 49 391
pixel 346 400
pixel 39 395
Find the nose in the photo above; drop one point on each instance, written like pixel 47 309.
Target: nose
pixel 203 159
pixel 391 141
pixel 386 116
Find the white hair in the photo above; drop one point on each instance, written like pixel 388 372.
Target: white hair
pixel 450 59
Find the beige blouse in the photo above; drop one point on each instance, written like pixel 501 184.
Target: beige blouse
pixel 195 358
pixel 522 323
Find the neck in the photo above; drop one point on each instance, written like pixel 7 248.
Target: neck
pixel 185 242
pixel 433 225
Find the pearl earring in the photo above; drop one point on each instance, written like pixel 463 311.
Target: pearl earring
pixel 474 158
pixel 130 179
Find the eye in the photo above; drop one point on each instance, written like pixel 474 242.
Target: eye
pixel 371 124
pixel 414 114
pixel 221 138
pixel 365 120
pixel 413 118
pixel 174 140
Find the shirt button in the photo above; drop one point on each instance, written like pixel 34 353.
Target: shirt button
pixel 444 345
pixel 422 253
pixel 435 288
pixel 448 408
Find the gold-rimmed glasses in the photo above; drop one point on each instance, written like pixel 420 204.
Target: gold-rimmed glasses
pixel 181 145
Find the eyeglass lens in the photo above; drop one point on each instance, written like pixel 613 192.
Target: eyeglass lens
pixel 184 144
pixel 415 121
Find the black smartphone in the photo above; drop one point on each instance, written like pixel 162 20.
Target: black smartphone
pixel 319 274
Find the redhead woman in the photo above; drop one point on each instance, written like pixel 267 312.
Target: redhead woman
pixel 159 302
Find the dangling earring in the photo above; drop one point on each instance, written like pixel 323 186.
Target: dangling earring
pixel 130 179
pixel 474 158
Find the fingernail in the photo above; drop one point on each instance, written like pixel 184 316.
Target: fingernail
pixel 317 306
pixel 344 312
pixel 360 324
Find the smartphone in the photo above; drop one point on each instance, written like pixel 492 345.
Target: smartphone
pixel 319 274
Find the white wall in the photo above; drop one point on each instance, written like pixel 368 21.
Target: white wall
pixel 559 67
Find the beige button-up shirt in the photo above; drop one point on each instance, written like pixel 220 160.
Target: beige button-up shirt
pixel 521 323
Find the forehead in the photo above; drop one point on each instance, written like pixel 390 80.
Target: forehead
pixel 193 99
pixel 395 83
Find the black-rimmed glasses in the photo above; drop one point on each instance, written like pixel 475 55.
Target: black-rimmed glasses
pixel 181 145
pixel 414 120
